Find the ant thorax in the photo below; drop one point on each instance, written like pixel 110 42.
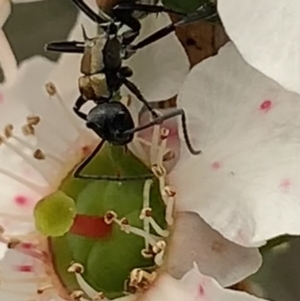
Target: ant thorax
pixel 92 61
pixel 92 84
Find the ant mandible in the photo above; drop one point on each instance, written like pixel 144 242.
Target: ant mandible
pixel 103 73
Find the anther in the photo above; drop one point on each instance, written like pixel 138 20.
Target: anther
pixel 33 120
pixel 141 280
pixel 8 131
pixel 124 223
pixel 13 242
pixel 28 130
pixel 39 155
pixel 164 133
pixel 170 191
pixel 159 171
pixel 77 295
pixel 42 289
pixel 168 195
pixel 169 155
pixel 146 212
pixel 51 89
pixel 76 268
pixel 109 217
pixel 147 253
pixel 128 100
pixel 2 230
pixel 159 247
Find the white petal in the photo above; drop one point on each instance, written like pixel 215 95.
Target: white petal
pixel 20 277
pixel 8 61
pixel 5 10
pixel 159 69
pixel 194 241
pixel 267 35
pixel 24 180
pixel 192 287
pixel 246 183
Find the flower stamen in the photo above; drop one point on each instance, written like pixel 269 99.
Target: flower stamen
pixel 17 245
pixel 53 92
pixel 154 145
pixel 99 297
pixel 77 295
pixel 40 168
pixel 125 226
pixel 159 249
pixel 76 268
pixel 141 280
pixel 146 204
pixel 37 188
pixel 37 153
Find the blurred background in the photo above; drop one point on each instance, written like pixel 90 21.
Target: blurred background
pixel 34 24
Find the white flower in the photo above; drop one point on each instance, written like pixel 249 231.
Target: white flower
pixel 42 141
pixel 245 184
pixel 267 35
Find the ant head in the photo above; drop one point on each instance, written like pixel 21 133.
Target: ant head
pixel 109 121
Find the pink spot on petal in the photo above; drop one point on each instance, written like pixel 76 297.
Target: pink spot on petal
pixel 266 106
pixel 1 98
pixel 86 150
pixel 25 268
pixel 285 185
pixel 201 291
pixel 216 165
pixel 27 245
pixel 21 200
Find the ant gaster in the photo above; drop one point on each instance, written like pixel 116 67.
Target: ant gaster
pixel 104 73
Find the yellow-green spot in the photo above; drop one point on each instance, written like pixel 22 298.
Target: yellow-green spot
pixel 54 215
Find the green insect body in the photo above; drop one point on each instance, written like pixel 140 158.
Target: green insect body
pixel 109 254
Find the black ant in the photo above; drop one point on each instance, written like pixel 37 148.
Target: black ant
pixel 103 73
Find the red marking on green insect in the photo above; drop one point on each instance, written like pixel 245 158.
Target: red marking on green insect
pixel 90 226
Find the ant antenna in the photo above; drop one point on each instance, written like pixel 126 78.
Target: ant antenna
pixel 161 119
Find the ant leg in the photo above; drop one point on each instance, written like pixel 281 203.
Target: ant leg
pixel 78 175
pixel 90 13
pixel 161 119
pixel 134 89
pixel 205 12
pixel 78 104
pixel 145 8
pixel 124 11
pixel 69 47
